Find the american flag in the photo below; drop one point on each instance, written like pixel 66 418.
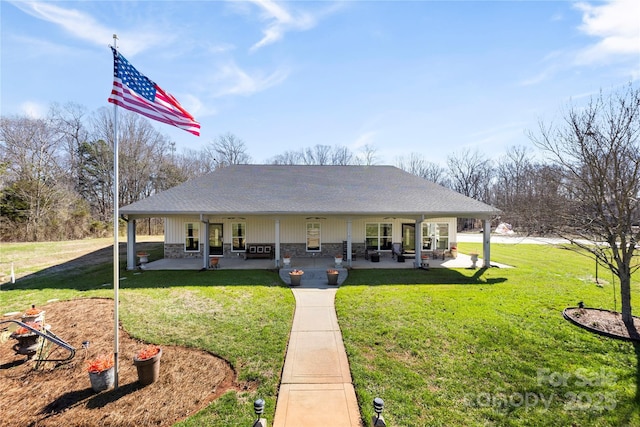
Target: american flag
pixel 136 92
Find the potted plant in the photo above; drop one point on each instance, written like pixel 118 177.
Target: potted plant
pixel 34 315
pixel 213 261
pixel 474 259
pixel 332 276
pixel 295 276
pixel 454 251
pixel 101 373
pixel 28 341
pixel 144 257
pixel 286 260
pixel 338 260
pixel 147 363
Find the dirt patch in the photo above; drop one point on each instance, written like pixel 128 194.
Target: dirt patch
pixel 604 322
pixel 61 395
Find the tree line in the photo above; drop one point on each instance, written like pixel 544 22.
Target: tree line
pixel 56 172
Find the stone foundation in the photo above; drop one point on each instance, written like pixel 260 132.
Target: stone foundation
pixel 296 250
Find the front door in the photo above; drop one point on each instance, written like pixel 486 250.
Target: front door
pixel 215 239
pixel 409 237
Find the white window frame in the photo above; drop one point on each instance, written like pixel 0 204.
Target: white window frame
pixel 432 230
pixel 310 226
pixel 191 232
pixel 235 235
pixel 379 236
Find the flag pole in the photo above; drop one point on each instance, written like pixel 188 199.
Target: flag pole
pixel 116 251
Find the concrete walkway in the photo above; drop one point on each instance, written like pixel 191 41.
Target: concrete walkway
pixel 316 388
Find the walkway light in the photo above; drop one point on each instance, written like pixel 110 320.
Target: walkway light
pixel 377 420
pixel 258 407
pixel 378 406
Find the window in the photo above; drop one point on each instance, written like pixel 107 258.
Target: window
pixel 238 236
pixel 313 237
pixel 192 237
pixel 215 239
pixel 435 236
pixel 443 236
pixel 379 236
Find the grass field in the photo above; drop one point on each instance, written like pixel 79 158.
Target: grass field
pixel 479 348
pixel 243 316
pixel 441 347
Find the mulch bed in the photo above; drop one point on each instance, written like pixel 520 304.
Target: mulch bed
pixel 62 396
pixel 603 322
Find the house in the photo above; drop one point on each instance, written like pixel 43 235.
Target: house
pixel 270 210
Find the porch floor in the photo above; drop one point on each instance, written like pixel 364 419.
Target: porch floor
pixel 238 263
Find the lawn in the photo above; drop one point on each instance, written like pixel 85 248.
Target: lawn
pixel 488 347
pixel 242 316
pixel 441 347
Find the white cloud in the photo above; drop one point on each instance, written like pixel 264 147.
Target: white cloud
pixel 281 19
pixel 83 26
pixel 616 24
pixel 366 138
pixel 33 109
pixel 236 81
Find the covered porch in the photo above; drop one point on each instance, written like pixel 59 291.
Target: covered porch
pixel 201 259
pixel 238 263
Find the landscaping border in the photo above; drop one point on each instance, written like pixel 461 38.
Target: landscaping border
pixel 595 330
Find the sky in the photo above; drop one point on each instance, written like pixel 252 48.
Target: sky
pixel 428 77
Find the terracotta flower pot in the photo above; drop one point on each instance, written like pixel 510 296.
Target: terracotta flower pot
pixel 148 369
pixel 295 278
pixel 332 278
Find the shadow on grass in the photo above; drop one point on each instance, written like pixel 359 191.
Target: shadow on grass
pixel 94 271
pixel 82 273
pixel 434 276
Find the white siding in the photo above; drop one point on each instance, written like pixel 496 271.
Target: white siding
pixel 261 229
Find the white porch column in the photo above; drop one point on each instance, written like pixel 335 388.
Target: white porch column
pixel 277 254
pixel 418 248
pixel 349 224
pixel 205 248
pixel 486 243
pixel 131 244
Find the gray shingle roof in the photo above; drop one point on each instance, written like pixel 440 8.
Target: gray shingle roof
pixel 279 189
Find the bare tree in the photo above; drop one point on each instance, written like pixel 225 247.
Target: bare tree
pixel 367 155
pixel 597 151
pixel 512 190
pixel 341 156
pixel 417 165
pixel 318 155
pixel 31 150
pixel 69 120
pixel 288 158
pixel 471 173
pixel 142 152
pixel 228 149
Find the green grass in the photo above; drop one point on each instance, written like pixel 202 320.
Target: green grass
pixel 464 347
pixel 243 316
pixel 436 345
